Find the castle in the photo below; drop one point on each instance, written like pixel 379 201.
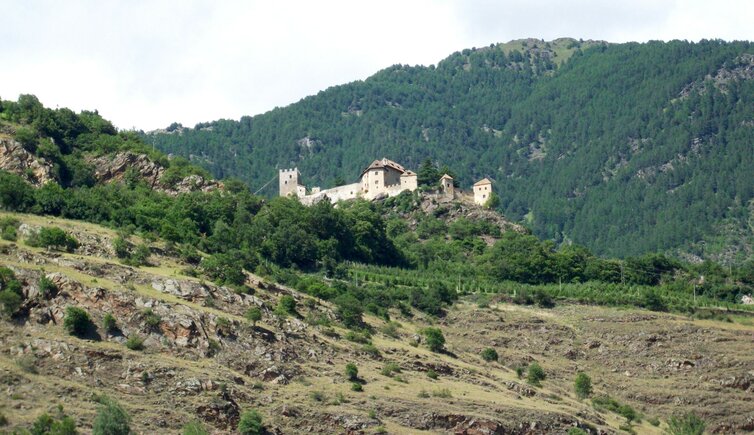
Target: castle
pixel 381 179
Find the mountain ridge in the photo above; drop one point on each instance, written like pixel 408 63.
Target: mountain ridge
pixel 565 142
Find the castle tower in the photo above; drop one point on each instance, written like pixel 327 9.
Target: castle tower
pixel 289 182
pixel 482 191
pixel 446 185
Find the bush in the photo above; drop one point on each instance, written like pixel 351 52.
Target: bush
pixel 390 368
pixel 77 321
pixel 286 306
pixel 576 431
pixel 371 350
pixel 583 385
pixel 108 323
pixel 250 423
pixel 431 374
pixel 135 342
pixel 355 386
pixel 194 428
pixel 628 412
pixel 688 424
pixel 111 419
pixel 390 329
pixel 11 302
pixel 434 338
pixel 489 354
pixel 150 318
pixel 53 238
pixel 535 375
pixel 352 372
pixel 358 337
pixel 47 287
pixel 253 315
pixel 46 425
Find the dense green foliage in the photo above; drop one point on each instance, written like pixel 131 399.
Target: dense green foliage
pixel 624 148
pixel 111 419
pixel 11 296
pixel 535 374
pixel 489 354
pixel 373 259
pixel 434 338
pixel 77 321
pixel 250 423
pixel 582 385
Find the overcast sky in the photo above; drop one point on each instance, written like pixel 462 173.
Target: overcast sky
pixel 145 64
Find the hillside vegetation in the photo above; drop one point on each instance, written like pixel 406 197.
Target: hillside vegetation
pixel 624 148
pixel 149 297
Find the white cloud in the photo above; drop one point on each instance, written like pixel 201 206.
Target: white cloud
pixel 148 63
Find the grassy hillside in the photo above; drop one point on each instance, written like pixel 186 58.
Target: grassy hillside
pixel 201 360
pixel 625 148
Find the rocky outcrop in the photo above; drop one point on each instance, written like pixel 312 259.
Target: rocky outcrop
pixel 110 168
pixel 113 168
pixel 16 160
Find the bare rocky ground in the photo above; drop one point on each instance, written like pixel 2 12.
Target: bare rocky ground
pixel 204 360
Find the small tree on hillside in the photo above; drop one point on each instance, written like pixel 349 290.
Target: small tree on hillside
pixel 111 419
pixel 77 321
pixel 434 338
pixel 583 385
pixel 253 315
pixel 535 374
pixel 250 423
pixel 352 371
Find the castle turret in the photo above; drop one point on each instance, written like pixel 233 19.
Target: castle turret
pixel 289 182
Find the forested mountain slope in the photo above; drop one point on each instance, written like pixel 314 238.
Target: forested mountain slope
pixel 626 148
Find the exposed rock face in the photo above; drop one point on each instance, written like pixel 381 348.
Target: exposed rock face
pixel 16 160
pixel 112 168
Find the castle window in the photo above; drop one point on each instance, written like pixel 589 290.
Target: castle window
pixel 286 181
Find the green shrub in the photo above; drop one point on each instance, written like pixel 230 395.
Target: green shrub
pixel 434 339
pixel 628 412
pixel 489 354
pixel 355 386
pixel 77 321
pixel 111 419
pixel 253 315
pixel 150 318
pixel 576 431
pixel 431 374
pixel 108 323
pixel 371 350
pixel 194 427
pixel 520 372
pixel 135 342
pixel 250 423
pixel 358 337
pixel 47 287
pixel 11 302
pixel 3 420
pixel 352 372
pixel 53 238
pixel 390 329
pixel 583 385
pixel 535 374
pixel 390 368
pixel 688 424
pixel 286 306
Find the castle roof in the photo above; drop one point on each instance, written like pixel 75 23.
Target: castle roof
pixel 446 177
pixel 482 182
pixel 408 173
pixel 384 164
